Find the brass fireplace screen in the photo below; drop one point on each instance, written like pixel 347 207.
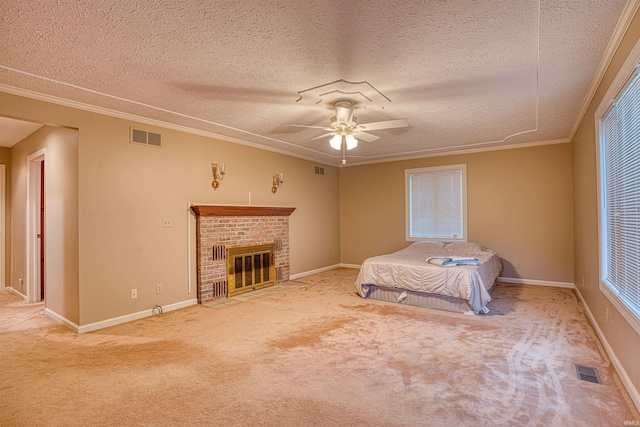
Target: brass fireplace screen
pixel 250 268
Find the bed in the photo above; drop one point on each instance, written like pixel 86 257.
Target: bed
pixel 426 274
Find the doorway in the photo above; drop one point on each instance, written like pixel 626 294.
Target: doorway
pixel 36 289
pixel 3 177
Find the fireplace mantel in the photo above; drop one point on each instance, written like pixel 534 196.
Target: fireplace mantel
pixel 219 210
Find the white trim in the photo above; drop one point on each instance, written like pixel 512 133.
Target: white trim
pixel 60 319
pixel 627 69
pixel 190 217
pixel 16 293
pixel 309 273
pixel 510 280
pixel 627 16
pixel 33 223
pixel 166 125
pixel 408 199
pixel 3 226
pixel 624 377
pixel 434 152
pixel 131 317
pixel 619 83
pixel 358 266
pixel 453 151
pixel 322 270
pixel 520 281
pixel 566 285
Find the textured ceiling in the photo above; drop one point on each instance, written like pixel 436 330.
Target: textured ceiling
pixel 466 74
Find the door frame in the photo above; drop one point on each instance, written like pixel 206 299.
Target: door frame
pixel 33 225
pixel 3 207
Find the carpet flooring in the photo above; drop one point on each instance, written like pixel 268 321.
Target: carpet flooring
pixel 311 352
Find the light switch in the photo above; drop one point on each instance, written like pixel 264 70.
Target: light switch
pixel 167 222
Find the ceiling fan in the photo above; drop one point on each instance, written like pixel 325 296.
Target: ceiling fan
pixel 344 128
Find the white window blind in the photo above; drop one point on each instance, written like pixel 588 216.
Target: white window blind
pixel 620 196
pixel 436 203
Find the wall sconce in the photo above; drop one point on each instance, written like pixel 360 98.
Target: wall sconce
pixel 278 179
pixel 217 171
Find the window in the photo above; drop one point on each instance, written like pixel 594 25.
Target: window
pixel 436 203
pixel 619 192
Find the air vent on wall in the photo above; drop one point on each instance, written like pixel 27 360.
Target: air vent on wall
pixel 319 170
pixel 139 136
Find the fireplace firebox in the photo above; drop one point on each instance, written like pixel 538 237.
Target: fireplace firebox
pixel 250 268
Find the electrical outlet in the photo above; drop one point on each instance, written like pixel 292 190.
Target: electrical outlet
pixel 134 293
pixel 159 288
pixel 606 315
pixel 167 222
pixel 517 264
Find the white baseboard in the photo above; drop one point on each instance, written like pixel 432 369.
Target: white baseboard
pixel 116 320
pixel 626 381
pixel 350 265
pixel 323 269
pixel 61 319
pixel 500 279
pixel 309 273
pixel 536 282
pixel 16 293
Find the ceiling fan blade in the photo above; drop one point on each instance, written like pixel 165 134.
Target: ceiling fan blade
pixel 387 124
pixel 324 136
pixel 369 137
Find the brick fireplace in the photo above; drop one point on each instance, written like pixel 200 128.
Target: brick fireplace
pixel 221 228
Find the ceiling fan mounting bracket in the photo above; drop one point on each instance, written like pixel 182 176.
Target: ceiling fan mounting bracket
pixel 345 103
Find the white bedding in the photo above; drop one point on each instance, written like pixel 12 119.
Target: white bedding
pixel 409 269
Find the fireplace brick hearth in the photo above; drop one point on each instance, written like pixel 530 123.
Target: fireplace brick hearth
pixel 219 228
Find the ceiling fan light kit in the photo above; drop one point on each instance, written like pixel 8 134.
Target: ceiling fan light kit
pixel 336 142
pixel 350 141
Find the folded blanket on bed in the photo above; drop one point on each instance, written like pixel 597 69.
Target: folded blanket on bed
pixel 452 260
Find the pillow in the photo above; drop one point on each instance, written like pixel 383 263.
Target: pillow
pixel 429 247
pixel 464 248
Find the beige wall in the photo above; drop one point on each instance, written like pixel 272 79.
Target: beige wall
pixel 61 217
pixel 125 190
pixel 623 339
pixel 519 204
pixel 5 155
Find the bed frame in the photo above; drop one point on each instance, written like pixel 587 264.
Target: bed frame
pixel 425 300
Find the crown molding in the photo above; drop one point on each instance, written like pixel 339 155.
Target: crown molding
pixel 166 125
pixel 153 122
pixel 453 152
